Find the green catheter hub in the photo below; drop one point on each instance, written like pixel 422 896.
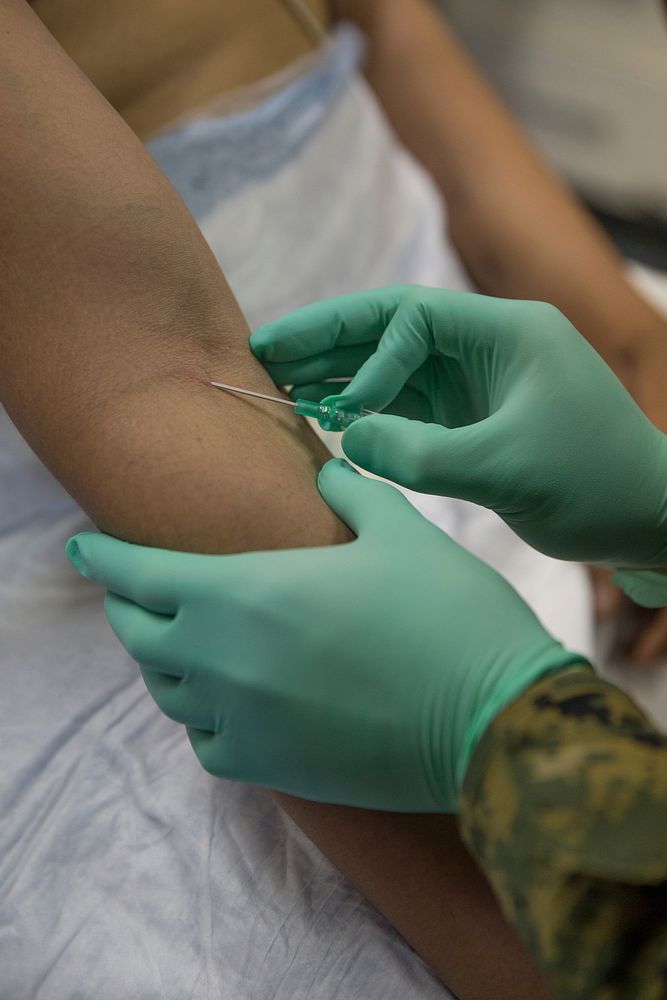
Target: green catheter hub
pixel 329 416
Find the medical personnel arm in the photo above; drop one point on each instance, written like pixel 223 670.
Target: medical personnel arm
pixel 565 807
pixel 520 232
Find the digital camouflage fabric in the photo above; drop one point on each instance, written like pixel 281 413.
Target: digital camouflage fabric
pixel 564 806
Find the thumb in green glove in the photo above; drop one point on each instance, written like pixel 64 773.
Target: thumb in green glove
pixel 361 674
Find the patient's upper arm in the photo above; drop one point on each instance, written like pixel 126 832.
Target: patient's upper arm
pixel 114 316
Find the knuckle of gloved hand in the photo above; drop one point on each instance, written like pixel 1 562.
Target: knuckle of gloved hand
pixel 171 707
pixel 406 289
pixel 416 298
pixel 132 637
pixel 210 758
pixel 419 468
pixel 542 320
pixel 126 630
pixel 249 595
pixel 412 293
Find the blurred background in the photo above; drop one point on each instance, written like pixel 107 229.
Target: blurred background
pixel 588 80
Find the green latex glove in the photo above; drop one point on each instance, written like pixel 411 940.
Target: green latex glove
pixel 512 409
pixel 361 674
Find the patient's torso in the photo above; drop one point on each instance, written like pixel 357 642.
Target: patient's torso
pixel 156 60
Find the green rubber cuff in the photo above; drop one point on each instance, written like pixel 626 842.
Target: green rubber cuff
pixel 511 688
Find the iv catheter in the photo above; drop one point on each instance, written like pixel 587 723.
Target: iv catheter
pixel 329 416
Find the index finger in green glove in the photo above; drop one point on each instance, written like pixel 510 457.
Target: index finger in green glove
pixel 341 321
pixel 328 339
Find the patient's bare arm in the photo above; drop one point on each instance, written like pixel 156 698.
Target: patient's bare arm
pixel 113 317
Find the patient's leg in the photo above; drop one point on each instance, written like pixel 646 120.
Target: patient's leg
pixel 114 317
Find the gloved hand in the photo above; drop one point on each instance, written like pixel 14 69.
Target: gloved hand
pixel 361 674
pixel 511 409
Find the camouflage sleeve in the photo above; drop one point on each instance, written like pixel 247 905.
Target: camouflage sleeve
pixel 564 806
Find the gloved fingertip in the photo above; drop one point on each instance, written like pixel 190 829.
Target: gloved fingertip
pixel 342 464
pixel 354 438
pixel 352 396
pixel 334 465
pixel 261 343
pixel 73 551
pixel 256 342
pixel 645 587
pixel 332 400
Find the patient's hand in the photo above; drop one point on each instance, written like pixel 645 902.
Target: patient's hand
pixel 644 631
pixel 644 639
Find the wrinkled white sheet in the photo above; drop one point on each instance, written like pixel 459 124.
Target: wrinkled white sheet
pixel 126 872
